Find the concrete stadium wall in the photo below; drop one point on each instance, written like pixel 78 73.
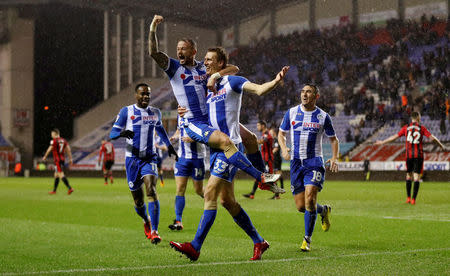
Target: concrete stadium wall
pixel 254 29
pixel 328 12
pixel 205 38
pixel 17 85
pixel 292 18
pixel 108 109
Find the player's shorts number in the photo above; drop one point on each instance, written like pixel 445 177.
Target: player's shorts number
pixel 198 172
pixel 317 176
pixel 220 166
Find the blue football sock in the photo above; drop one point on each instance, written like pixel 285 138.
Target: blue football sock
pixel 153 210
pixel 310 221
pixel 257 161
pixel 205 224
pixel 319 208
pixel 239 160
pixel 179 207
pixel 243 220
pixel 142 212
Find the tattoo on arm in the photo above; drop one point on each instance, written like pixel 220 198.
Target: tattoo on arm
pixel 161 58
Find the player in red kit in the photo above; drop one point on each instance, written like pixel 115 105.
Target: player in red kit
pixel 414 133
pixel 266 142
pixel 59 147
pixel 107 150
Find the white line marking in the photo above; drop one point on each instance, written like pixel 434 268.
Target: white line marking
pixel 110 269
pixel 413 218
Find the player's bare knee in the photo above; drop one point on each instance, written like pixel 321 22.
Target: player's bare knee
pixel 139 202
pixel 210 205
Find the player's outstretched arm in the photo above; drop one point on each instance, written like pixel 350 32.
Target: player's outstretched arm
pixel 47 152
pixel 387 140
pixel 161 58
pixel 261 89
pixel 284 149
pixel 436 140
pixel 335 154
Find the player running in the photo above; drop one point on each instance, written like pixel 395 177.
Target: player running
pixel 107 150
pixel 266 142
pixel 190 164
pixel 224 109
pixel 137 123
pixel 414 133
pixel 59 147
pixel 189 82
pixel 306 124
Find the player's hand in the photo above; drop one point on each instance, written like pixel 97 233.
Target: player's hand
pixel 377 143
pixel 127 134
pixel 211 84
pixel 181 110
pixel 280 76
pixel 172 152
pixel 286 154
pixel 70 162
pixel 187 139
pixel 172 139
pixel 333 165
pixel 44 158
pixel 157 19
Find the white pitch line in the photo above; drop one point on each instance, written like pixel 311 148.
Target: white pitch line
pixel 413 218
pixel 110 269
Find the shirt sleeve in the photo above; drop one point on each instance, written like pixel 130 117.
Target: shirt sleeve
pixel 425 132
pixel 237 83
pixel 161 131
pixel 285 124
pixel 328 126
pixel 119 124
pixel 172 67
pixel 402 131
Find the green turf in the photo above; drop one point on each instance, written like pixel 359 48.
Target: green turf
pixel 96 231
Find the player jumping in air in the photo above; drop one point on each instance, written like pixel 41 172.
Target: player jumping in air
pixel 223 109
pixel 414 133
pixel 306 124
pixel 189 83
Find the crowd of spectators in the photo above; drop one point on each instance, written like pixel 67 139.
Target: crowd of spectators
pixel 383 73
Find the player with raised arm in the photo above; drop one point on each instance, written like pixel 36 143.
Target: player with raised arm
pixel 190 164
pixel 306 124
pixel 138 123
pixel 189 83
pixel 414 133
pixel 224 109
pixel 107 151
pixel 59 147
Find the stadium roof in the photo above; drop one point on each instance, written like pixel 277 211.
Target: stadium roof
pixel 211 14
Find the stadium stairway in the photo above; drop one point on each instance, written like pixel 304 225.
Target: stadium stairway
pixel 108 109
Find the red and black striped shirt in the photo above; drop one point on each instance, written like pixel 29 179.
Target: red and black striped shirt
pixel 267 146
pixel 414 139
pixel 58 148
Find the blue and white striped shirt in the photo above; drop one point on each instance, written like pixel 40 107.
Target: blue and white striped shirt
pixel 306 131
pixel 192 150
pixel 224 107
pixel 143 122
pixel 189 87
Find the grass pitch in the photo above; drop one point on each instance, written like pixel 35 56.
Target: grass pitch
pixel 96 231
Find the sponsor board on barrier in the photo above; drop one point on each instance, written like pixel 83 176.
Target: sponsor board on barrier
pixel 393 166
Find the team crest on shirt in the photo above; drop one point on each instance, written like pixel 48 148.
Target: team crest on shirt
pixel 131 184
pixel 320 116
